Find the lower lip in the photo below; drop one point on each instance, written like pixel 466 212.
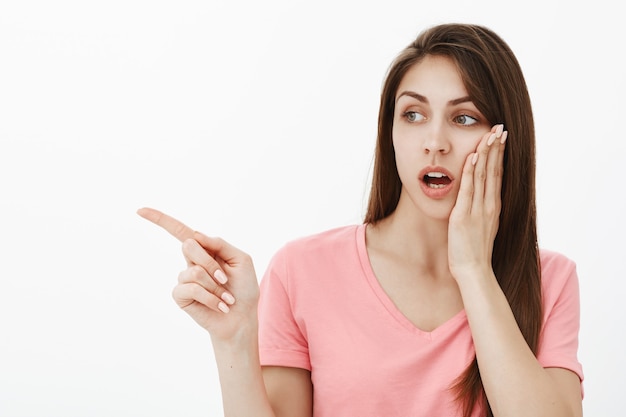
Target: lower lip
pixel 435 193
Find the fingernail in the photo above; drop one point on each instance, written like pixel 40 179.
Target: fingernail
pixel 220 276
pixel 475 158
pixel 226 296
pixel 499 130
pixel 491 139
pixel 504 136
pixel 223 307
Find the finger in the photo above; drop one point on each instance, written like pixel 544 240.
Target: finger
pixel 480 169
pixel 198 275
pixel 495 170
pixel 174 227
pixel 466 189
pixel 222 249
pixel 188 294
pixel 195 254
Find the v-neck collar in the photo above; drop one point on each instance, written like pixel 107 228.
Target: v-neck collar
pixel 389 305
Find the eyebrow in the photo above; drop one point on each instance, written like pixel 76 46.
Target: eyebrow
pixel 423 99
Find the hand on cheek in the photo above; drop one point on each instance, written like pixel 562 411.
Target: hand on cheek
pixel 474 219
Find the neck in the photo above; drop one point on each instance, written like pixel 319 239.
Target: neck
pixel 419 240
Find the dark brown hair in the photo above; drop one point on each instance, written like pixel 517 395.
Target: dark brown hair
pixel 496 85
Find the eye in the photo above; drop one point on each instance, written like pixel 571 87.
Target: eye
pixel 413 116
pixel 465 120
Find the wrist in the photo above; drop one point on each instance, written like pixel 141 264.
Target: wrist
pixel 474 274
pixel 246 335
pixel 471 271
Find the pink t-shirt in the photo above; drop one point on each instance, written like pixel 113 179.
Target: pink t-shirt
pixel 322 309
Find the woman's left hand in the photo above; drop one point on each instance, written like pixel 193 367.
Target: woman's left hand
pixel 474 219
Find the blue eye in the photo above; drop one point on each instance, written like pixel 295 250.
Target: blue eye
pixel 413 116
pixel 465 120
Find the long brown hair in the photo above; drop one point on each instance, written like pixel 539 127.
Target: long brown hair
pixel 496 85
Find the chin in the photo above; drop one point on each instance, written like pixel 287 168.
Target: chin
pixel 429 208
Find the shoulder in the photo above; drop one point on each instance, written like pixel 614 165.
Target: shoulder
pixel 317 249
pixel 559 278
pixel 552 261
pixel 336 239
pixel 316 258
pixel 556 268
pixel 558 343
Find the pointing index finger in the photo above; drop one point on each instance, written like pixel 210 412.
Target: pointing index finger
pixel 174 227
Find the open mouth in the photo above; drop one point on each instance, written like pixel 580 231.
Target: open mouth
pixel 436 180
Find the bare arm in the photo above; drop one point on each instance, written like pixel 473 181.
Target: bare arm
pixel 251 390
pixel 515 382
pixel 290 391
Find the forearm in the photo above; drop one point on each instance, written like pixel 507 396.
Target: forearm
pixel 241 379
pixel 515 382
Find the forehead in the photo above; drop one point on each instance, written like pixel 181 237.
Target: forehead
pixel 434 77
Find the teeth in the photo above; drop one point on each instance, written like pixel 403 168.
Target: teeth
pixel 435 175
pixel 436 185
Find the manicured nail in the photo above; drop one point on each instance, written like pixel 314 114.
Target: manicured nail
pixel 499 130
pixel 474 158
pixel 220 276
pixel 223 307
pixel 226 296
pixel 491 139
pixel 504 136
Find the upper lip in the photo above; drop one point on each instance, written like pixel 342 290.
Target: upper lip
pixel 435 169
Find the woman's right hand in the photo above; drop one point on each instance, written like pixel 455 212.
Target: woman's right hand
pixel 219 288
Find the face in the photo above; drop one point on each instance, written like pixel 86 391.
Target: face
pixel 435 128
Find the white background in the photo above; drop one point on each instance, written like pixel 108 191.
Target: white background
pixel 255 121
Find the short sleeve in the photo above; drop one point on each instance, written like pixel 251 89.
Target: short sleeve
pixel 281 339
pixel 558 344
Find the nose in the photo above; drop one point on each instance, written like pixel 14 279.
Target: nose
pixel 436 140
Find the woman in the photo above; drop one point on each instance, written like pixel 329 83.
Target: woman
pixel 440 303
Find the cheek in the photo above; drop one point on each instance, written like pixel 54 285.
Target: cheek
pixel 467 146
pixel 404 139
pixel 463 150
pixel 470 143
pixel 401 156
